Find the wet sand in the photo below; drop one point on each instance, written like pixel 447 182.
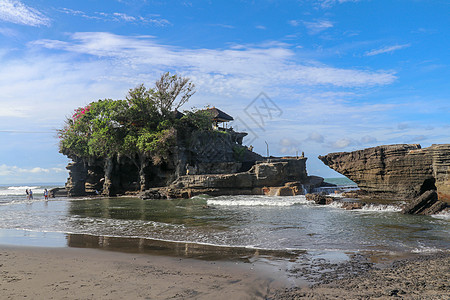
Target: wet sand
pixel 422 277
pixel 80 273
pixel 71 273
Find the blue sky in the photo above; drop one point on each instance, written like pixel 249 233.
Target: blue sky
pixel 315 76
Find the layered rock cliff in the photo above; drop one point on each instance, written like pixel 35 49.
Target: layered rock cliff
pixel 401 171
pixel 275 177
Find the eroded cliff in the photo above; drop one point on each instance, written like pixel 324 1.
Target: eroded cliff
pixel 194 153
pixel 400 171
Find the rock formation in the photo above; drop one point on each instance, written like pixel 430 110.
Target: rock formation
pixel 277 177
pixel 425 204
pixel 200 152
pixel 319 199
pixel 402 171
pixel 205 162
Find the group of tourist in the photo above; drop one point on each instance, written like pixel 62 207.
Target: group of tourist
pixel 29 193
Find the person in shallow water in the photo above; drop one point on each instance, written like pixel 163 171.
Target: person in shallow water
pixel 45 194
pixel 30 194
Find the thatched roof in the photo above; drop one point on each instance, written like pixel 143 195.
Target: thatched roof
pixel 218 115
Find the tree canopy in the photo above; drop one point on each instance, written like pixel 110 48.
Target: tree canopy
pixel 142 126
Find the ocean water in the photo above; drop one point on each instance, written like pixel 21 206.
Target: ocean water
pixel 225 225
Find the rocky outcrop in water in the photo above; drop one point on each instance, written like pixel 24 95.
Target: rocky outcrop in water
pixel 201 162
pixel 402 171
pixel 277 177
pixel 319 199
pixel 425 204
pixel 57 192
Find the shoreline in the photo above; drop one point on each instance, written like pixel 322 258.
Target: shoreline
pixel 81 273
pixel 424 276
pixel 84 273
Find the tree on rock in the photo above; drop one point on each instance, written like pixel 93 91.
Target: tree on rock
pixel 168 89
pixel 143 127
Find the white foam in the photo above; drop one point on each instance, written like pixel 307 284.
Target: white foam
pixel 381 208
pixel 336 204
pixel 20 190
pixel 445 215
pixel 424 249
pixel 368 207
pixel 257 201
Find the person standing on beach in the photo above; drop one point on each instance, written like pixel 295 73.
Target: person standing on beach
pixel 31 194
pixel 28 194
pixel 45 194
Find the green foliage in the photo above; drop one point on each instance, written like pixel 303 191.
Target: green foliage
pixel 142 125
pixel 157 144
pixel 199 119
pixel 168 89
pixel 239 152
pixel 142 110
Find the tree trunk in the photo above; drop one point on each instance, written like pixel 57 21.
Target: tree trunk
pixel 107 184
pixel 142 177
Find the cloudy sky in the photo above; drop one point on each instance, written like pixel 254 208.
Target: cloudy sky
pixel 315 76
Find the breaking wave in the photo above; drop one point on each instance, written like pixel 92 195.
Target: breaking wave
pixel 257 201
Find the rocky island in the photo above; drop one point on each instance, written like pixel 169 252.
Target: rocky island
pixel 144 145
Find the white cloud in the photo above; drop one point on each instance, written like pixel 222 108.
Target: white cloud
pixel 368 139
pixel 294 23
pixel 387 49
pixel 318 26
pixel 156 22
pixel 124 17
pixel 289 146
pixel 117 17
pixel 316 137
pixel 403 126
pixel 6 170
pixel 414 138
pixel 16 12
pixel 11 110
pixel 343 143
pixel 227 26
pixel 8 32
pixel 330 3
pixel 228 68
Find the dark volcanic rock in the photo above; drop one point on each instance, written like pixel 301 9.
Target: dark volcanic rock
pixel 154 193
pixel 319 199
pixel 398 171
pixel 425 204
pixel 352 205
pixel 57 192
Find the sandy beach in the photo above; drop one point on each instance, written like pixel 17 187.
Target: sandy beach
pixel 74 273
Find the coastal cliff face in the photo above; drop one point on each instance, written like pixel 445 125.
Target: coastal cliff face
pixel 205 165
pixel 196 153
pixel 400 171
